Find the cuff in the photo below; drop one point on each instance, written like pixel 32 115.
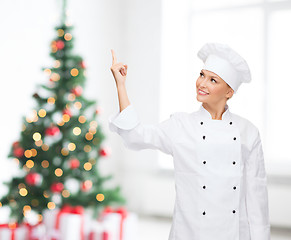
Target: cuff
pixel 126 119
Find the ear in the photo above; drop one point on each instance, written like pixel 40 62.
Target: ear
pixel 229 93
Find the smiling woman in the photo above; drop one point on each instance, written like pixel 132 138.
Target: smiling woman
pixel 220 178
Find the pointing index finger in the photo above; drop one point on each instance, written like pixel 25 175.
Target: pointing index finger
pixel 113 57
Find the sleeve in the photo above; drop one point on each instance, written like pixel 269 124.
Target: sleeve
pixel 257 193
pixel 138 136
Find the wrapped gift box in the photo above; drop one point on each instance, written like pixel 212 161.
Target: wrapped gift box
pixel 115 225
pixel 66 223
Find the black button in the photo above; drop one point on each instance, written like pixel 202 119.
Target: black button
pixel 234 138
pixel 204 213
pixel 233 211
pixel 234 187
pixel 203 137
pixel 230 123
pixel 233 162
pixel 204 162
pixel 201 123
pixel 204 187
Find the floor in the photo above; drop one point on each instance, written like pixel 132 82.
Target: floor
pixel 158 229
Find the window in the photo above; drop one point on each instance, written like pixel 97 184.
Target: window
pixel 256 29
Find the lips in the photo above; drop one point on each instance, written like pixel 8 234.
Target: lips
pixel 203 91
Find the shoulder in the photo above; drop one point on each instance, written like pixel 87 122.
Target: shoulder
pixel 246 127
pixel 244 122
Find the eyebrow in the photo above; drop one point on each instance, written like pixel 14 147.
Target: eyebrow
pixel 211 76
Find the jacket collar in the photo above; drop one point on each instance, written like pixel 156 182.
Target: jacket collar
pixel 206 115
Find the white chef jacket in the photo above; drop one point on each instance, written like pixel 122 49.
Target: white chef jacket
pixel 220 178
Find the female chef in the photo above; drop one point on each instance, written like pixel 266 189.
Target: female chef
pixel 220 178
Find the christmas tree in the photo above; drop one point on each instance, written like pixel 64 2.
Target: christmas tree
pixel 61 142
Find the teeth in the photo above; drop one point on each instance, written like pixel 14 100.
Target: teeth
pixel 202 92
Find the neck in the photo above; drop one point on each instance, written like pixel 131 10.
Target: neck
pixel 216 110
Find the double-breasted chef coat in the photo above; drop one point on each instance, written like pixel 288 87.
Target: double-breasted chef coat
pixel 220 178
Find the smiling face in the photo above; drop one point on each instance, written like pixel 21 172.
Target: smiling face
pixel 214 89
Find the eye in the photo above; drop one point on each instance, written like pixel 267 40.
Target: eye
pixel 213 79
pixel 201 74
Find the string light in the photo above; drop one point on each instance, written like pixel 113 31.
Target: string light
pixel 87 148
pixel 42 112
pixel 92 130
pixel 65 193
pixel 51 100
pixel 47 71
pixel 82 119
pixel 100 197
pixel 87 166
pixel 78 105
pixel 36 136
pixel 57 63
pixel 23 192
pixel 45 194
pixel 32 117
pixel 28 153
pixel 61 32
pixel 68 36
pixel 58 172
pixel 66 117
pixel 93 124
pixel 26 209
pixel 29 164
pixel 74 72
pixel 53 46
pixel 71 146
pixel 45 164
pixel 45 147
pixel 65 152
pixel 92 161
pixel 77 131
pixel 21 185
pixel 71 97
pixel 61 123
pixel 34 152
pixel 89 136
pixel 38 143
pixel 16 160
pixel 55 77
pixel 51 205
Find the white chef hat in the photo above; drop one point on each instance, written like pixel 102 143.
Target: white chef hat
pixel 226 63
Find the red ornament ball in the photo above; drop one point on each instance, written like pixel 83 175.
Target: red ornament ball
pixel 104 152
pixel 98 110
pixel 57 187
pixel 60 44
pixel 52 131
pixel 15 144
pixel 82 64
pixel 77 90
pixel 33 179
pixel 86 186
pixel 18 152
pixel 74 163
pixel 67 111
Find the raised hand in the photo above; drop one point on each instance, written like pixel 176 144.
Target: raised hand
pixel 119 70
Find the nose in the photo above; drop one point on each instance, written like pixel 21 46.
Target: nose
pixel 203 84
